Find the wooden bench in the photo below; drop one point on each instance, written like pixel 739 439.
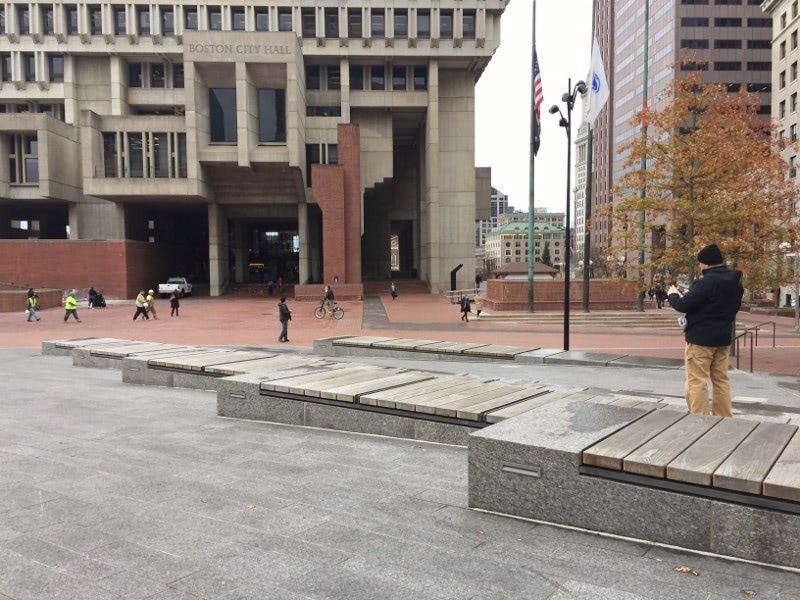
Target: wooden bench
pixel 738 460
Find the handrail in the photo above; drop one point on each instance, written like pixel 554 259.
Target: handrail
pixel 455 296
pixel 757 327
pixel 735 346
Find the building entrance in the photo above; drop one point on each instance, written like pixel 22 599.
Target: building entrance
pixel 272 251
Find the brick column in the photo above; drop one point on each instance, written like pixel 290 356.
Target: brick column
pixel 350 158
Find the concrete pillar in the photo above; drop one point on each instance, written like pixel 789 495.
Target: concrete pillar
pixel 99 220
pixel 431 254
pixel 303 232
pixel 218 275
pixel 239 246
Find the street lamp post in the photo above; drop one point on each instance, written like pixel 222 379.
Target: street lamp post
pixel 568 98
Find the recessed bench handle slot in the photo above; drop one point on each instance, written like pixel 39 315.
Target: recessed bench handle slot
pixel 523 470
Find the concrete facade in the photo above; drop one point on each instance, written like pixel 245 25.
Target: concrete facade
pixel 196 125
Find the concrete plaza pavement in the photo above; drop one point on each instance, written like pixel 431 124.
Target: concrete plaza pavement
pixel 109 490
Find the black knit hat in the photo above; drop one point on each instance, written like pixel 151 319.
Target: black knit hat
pixel 710 255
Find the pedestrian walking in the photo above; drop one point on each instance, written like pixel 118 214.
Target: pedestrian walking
pixel 280 285
pixel 151 303
pixel 661 296
pixel 465 309
pixel 710 306
pixel 393 291
pixel 91 297
pixel 30 292
pixel 71 307
pixel 270 287
pixel 284 316
pixel 32 304
pixel 478 304
pixel 174 304
pixel 141 306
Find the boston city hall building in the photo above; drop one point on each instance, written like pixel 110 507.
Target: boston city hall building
pixel 240 141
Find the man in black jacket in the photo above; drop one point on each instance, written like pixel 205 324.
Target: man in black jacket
pixel 284 316
pixel 710 305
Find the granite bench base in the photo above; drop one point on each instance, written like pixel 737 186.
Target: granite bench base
pixel 529 466
pixel 240 397
pixel 137 371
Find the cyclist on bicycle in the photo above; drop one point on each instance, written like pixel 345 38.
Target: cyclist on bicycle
pixel 328 300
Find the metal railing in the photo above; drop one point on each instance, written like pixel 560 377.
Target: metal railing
pixel 757 328
pixel 455 296
pixel 736 348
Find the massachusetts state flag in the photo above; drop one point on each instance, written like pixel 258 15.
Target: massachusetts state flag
pixel 598 84
pixel 538 97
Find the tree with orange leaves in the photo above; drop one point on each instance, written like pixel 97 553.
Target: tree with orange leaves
pixel 714 175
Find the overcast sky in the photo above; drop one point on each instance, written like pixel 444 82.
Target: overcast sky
pixel 503 96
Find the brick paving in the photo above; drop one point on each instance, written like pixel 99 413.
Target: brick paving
pixel 253 321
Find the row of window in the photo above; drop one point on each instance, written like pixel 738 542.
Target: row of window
pixel 236 20
pixel 368 77
pixel 794 15
pixel 725 65
pixel 792 75
pixel 271 115
pixel 722 2
pixel 23 159
pixel 144 154
pixel 54 110
pixel 782 111
pixel 155 75
pixel 727 44
pixel 792 41
pixel 725 22
pixel 55 67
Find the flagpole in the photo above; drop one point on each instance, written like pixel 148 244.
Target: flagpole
pixel 531 194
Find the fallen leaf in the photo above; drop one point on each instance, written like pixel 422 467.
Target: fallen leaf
pixel 750 592
pixel 682 569
pixel 481 532
pixel 86 557
pixel 251 506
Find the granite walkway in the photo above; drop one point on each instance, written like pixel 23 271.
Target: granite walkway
pixel 114 491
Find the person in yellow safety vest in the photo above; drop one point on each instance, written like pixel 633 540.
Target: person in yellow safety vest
pixel 141 306
pixel 71 306
pixel 33 306
pixel 151 305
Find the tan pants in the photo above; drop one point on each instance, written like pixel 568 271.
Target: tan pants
pixel 703 362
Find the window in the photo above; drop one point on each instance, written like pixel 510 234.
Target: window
pixel 237 18
pixel 782 80
pixel 180 169
pixel 727 22
pixel 47 18
pixel 794 9
pixel 331 22
pixel 399 79
pixel 356 77
pixel 120 20
pixel 313 157
pixel 423 24
pixel 55 68
pixel 377 77
pixel 72 19
pixel 694 22
pixel 2 18
pixel 222 105
pixel 167 22
pixel 694 2
pixel 157 75
pixel 308 22
pixel 759 66
pixel 323 111
pixel 469 24
pixel 177 76
pixel 5 66
pixel 27 148
pixel 400 23
pixel 446 24
pixel 135 155
pixel 723 44
pixel 23 19
pixel 135 75
pixel 759 87
pixel 378 23
pixel 782 50
pixel 313 79
pixel 420 78
pixel 793 71
pixel 29 66
pixel 189 18
pixel 793 166
pixel 284 18
pixel 783 21
pixel 759 44
pixel 271 115
pixel 334 77
pixel 793 102
pixel 95 20
pixel 793 132
pixel 692 65
pixel 782 109
pixel 727 65
pixel 143 19
pixel 354 28
pixel 728 2
pixel 110 154
pixel 759 22
pixel 695 43
pixel 262 19
pixel 794 39
pixel 215 18
pixel 160 149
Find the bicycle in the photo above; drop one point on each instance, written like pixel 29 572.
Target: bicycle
pixel 337 312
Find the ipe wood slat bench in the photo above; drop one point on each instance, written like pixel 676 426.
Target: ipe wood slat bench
pixel 738 460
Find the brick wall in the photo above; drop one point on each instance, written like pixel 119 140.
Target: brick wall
pixel 14 300
pixel 507 295
pixel 315 291
pixel 118 268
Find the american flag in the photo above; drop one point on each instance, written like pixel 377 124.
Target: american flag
pixel 538 96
